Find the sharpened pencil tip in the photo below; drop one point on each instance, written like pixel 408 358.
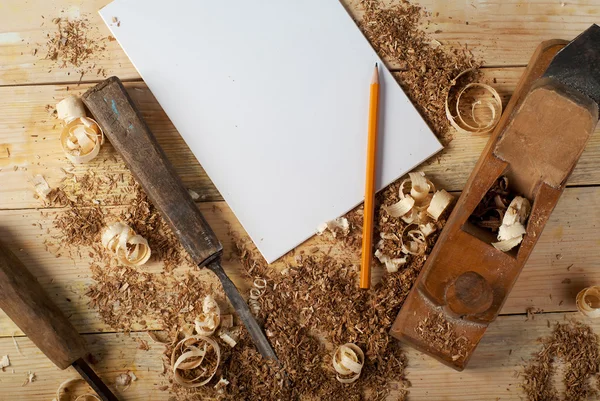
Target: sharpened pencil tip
pixel 376 74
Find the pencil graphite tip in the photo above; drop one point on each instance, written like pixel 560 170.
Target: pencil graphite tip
pixel 376 74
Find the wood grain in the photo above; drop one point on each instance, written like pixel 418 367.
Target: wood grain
pixel 502 33
pixel 491 375
pixel 564 261
pixel 32 137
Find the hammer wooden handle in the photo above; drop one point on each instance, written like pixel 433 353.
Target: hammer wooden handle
pixel 115 112
pixel 23 299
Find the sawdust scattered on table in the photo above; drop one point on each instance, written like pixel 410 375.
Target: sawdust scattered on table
pixel 73 43
pixel 83 219
pixel 427 67
pixel 574 345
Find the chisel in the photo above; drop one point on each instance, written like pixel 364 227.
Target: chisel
pixel 23 299
pixel 124 126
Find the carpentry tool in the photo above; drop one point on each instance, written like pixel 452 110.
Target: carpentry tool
pixel 537 144
pixel 23 299
pixel 122 123
pixel 369 209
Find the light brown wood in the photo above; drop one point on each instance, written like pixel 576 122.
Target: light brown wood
pixel 502 33
pixel 115 353
pixel 564 261
pixel 529 146
pixel 32 137
pixel 492 373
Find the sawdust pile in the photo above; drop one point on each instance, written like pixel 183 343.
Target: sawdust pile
pixel 309 309
pixel 83 219
pixel 427 68
pixel 576 346
pixel 130 299
pixel 73 43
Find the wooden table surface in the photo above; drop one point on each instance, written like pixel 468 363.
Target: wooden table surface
pixel 503 33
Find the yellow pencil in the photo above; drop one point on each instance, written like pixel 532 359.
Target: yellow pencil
pixel 368 215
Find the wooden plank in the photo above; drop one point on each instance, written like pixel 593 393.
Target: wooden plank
pixel 31 136
pixel 24 27
pixel 67 278
pixel 563 262
pixel 491 374
pixel 498 32
pixel 115 353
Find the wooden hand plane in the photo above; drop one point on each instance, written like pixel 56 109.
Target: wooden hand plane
pixel 536 145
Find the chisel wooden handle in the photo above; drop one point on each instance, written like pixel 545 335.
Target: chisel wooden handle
pixel 114 110
pixel 23 299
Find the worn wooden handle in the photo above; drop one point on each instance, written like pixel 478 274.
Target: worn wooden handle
pixel 23 299
pixel 122 123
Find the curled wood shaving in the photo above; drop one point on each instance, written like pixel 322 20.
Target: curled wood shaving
pixel 124 380
pixel 510 233
pixel 41 186
pixel 259 286
pixel 336 226
pixel 391 264
pixel 348 361
pixel 419 200
pixel 4 362
pixel 227 337
pixel 64 388
pixel 439 203
pixel 210 318
pixel 400 208
pixel 70 108
pixel 131 249
pixel 81 140
pixel 187 356
pixel 588 301
pixel 413 240
pixel 455 113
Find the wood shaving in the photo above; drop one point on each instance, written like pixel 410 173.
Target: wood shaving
pixel 339 226
pixel 4 362
pixel 512 229
pixel 189 358
pixel 73 43
pixel 573 345
pixel 466 121
pixel 81 140
pixel 426 72
pixel 210 318
pixel 40 185
pixel 588 301
pixel 29 379
pixel 348 361
pixel 65 389
pixel 130 248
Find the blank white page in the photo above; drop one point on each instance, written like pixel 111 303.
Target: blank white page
pixel 272 97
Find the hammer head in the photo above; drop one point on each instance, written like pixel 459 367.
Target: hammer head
pixel 577 65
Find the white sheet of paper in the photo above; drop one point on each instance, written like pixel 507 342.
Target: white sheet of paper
pixel 272 97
